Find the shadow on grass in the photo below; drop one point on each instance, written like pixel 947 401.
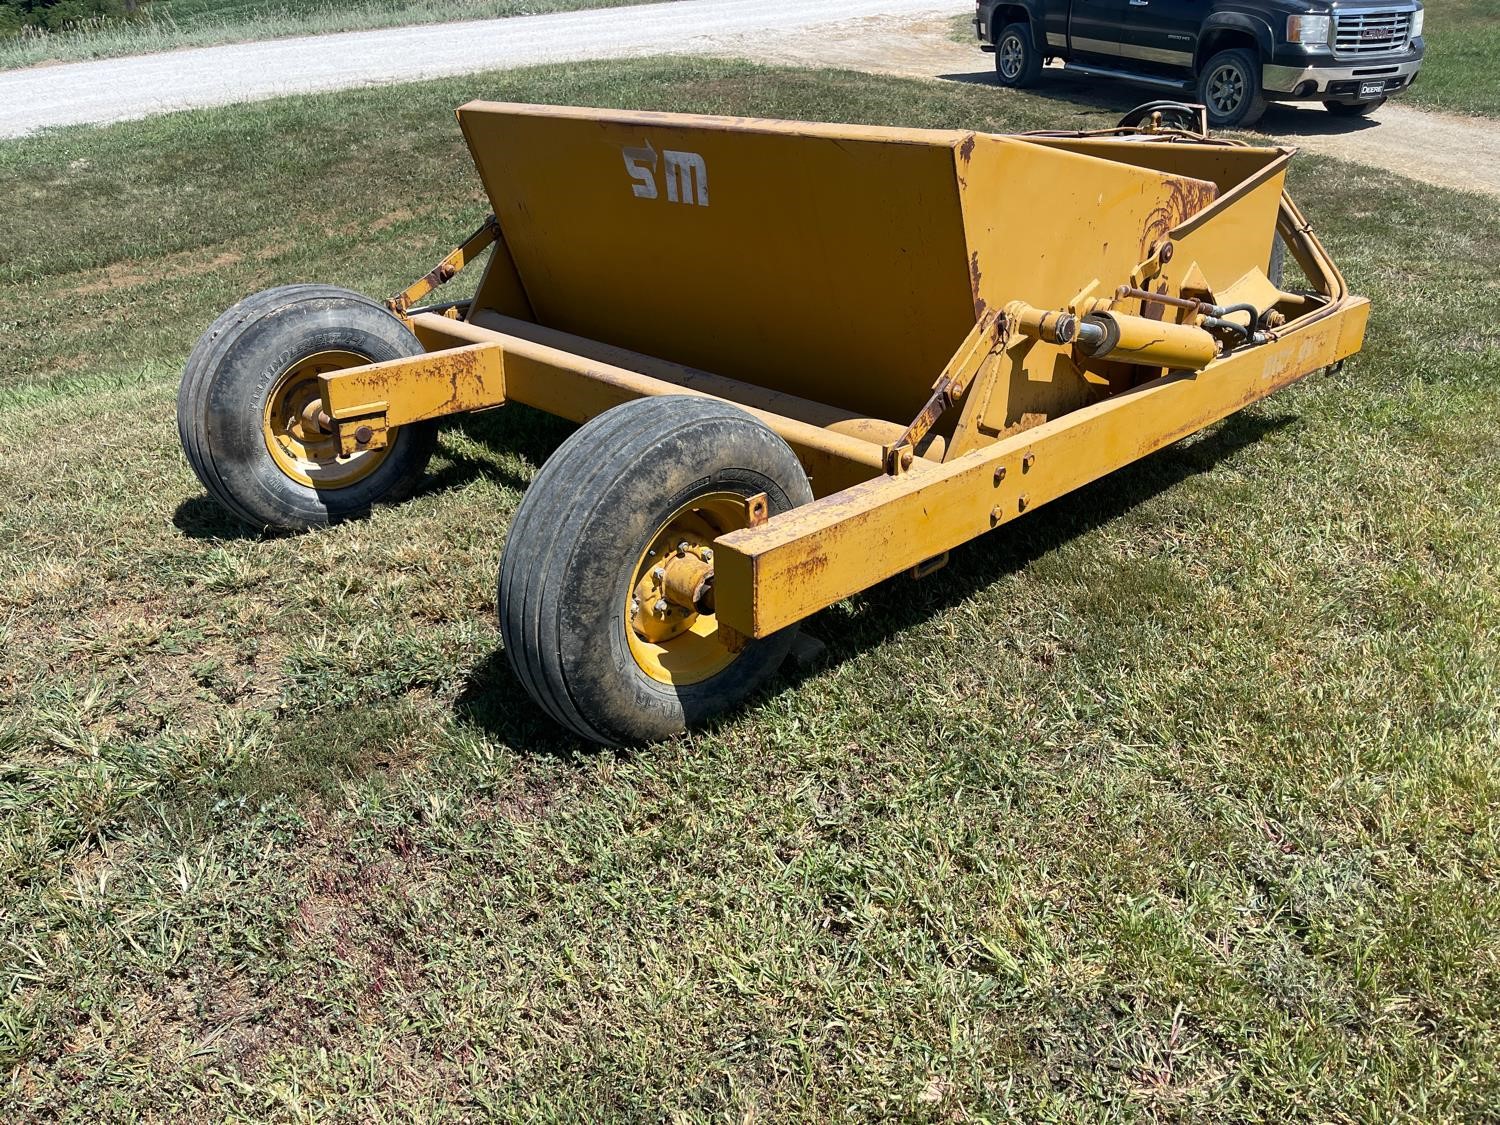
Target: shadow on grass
pixel 527 434
pixel 891 607
pixel 495 700
pixel 203 517
pixel 1080 96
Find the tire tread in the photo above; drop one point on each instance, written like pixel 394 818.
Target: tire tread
pixel 572 492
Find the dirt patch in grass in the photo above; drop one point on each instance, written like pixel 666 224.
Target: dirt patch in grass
pixel 135 275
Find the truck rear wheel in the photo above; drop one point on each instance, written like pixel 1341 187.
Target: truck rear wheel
pixel 1018 64
pixel 1229 85
pixel 243 397
pixel 596 619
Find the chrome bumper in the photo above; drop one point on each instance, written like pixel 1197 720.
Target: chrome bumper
pixel 1286 79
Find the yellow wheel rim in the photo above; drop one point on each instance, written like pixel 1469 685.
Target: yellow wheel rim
pixel 305 454
pixel 679 645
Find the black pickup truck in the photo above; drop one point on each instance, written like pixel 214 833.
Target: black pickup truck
pixel 1232 55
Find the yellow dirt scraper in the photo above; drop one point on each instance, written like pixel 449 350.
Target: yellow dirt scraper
pixel 808 358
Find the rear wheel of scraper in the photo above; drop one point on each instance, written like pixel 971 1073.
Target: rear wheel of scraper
pixel 606 584
pixel 246 404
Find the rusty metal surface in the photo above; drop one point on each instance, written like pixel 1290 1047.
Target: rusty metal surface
pixel 365 402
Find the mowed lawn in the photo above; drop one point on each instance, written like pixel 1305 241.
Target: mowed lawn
pixel 1174 798
pixel 1459 72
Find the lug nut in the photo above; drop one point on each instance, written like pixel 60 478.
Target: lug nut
pixel 661 605
pixel 660 574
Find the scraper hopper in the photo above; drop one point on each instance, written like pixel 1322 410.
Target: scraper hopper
pixel 809 358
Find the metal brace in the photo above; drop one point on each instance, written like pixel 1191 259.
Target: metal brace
pixel 448 268
pixel 987 335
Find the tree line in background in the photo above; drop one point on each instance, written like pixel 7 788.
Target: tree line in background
pixel 57 15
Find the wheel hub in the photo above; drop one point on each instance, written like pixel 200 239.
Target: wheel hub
pixel 296 436
pixel 674 593
pixel 670 623
pixel 1010 56
pixel 1226 89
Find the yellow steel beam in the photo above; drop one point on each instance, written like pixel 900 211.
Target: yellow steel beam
pixel 555 378
pixel 805 560
pixel 364 402
pixel 489 368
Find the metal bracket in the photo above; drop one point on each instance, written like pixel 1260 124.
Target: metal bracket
pixel 987 335
pixel 446 270
pixel 930 566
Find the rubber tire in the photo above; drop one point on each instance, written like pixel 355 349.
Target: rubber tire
pixel 1355 109
pixel 572 552
pixel 1031 58
pixel 1254 104
pixel 231 372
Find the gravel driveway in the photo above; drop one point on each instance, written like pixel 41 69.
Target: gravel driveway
pixel 141 85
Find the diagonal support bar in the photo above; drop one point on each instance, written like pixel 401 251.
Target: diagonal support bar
pixel 987 334
pixel 444 272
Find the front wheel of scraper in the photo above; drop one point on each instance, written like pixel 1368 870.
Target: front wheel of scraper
pixel 605 596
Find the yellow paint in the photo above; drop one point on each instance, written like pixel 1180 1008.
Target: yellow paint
pixel 674 644
pixel 810 558
pixel 383 396
pixel 1145 342
pixel 828 261
pixel 447 269
pixel 837 281
pixel 301 451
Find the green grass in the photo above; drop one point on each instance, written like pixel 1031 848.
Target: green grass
pixel 1173 799
pixel 1459 73
pixel 169 24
